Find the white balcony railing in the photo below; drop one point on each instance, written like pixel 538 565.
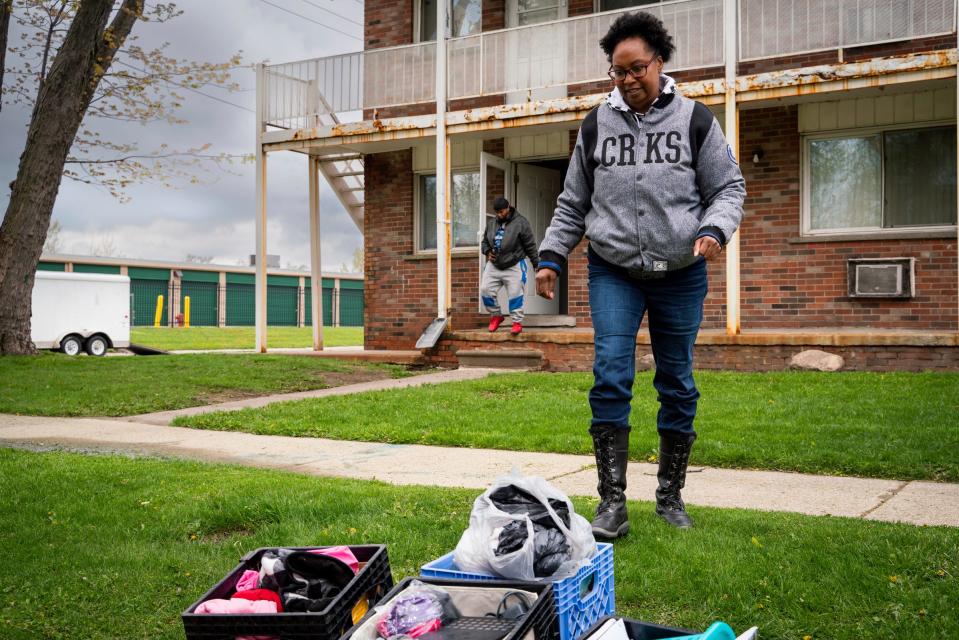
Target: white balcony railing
pixel 566 52
pixel 772 28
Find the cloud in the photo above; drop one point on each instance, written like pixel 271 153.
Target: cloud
pixel 216 217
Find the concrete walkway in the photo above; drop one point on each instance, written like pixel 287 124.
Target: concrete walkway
pixel 921 503
pixel 449 375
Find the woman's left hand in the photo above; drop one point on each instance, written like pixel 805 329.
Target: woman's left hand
pixel 707 247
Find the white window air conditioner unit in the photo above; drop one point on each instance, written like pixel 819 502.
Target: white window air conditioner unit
pixel 882 278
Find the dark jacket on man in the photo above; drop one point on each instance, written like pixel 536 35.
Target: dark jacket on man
pixel 518 240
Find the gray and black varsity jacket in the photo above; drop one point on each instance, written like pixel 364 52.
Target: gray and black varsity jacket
pixel 643 188
pixel 518 240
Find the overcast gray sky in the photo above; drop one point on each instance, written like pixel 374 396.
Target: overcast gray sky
pixel 215 218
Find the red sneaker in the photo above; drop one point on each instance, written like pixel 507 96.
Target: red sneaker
pixel 495 322
pixel 517 328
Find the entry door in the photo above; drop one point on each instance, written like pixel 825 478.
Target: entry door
pixel 537 189
pixel 496 179
pixel 536 56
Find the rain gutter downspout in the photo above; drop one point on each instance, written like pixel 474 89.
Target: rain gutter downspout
pixel 730 55
pixel 442 172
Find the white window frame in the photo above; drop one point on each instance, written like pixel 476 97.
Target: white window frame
pixel 597 6
pixel 418 21
pixel 417 214
pixel 806 229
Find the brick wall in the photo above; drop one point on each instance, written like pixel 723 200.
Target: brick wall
pixel 387 23
pixel 579 356
pixel 787 284
pixel 494 15
pixel 400 296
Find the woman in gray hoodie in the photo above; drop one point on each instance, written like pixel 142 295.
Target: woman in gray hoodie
pixel 656 189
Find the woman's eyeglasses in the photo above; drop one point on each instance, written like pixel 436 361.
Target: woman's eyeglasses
pixel 637 71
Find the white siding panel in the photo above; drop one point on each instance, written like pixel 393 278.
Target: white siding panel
pixel 924 108
pixel 464 153
pixel 808 118
pixel 944 104
pixel 865 112
pixel 905 108
pixel 548 145
pixel 829 115
pixel 847 114
pixel 899 108
pixel 885 110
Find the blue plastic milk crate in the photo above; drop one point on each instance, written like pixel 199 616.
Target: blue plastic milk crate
pixel 580 599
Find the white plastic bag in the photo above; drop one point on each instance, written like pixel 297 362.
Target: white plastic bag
pixel 475 552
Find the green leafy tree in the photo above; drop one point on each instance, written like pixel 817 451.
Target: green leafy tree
pixel 76 65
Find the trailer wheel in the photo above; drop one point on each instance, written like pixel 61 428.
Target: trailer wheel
pixel 71 345
pixel 96 346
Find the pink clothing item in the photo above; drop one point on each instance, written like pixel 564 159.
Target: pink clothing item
pixel 236 606
pixel 239 606
pixel 426 627
pixel 260 594
pixel 341 553
pixel 249 580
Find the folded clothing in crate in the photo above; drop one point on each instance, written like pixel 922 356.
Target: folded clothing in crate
pixel 293 593
pixel 306 580
pixel 431 609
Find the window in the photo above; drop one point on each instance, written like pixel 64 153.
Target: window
pixel 529 12
pixel 877 180
pixel 466 17
pixel 464 207
pixel 611 5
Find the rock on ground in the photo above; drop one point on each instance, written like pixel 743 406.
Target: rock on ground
pixel 813 359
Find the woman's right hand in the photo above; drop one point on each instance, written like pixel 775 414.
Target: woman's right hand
pixel 546 283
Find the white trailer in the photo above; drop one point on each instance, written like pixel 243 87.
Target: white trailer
pixel 74 311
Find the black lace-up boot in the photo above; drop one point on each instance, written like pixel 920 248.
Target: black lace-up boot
pixel 611 445
pixel 674 451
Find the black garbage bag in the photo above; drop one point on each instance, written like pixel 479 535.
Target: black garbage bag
pixel 551 548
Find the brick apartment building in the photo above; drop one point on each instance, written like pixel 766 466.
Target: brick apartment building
pixel 846 114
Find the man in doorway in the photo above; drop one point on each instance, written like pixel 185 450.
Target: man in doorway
pixel 508 239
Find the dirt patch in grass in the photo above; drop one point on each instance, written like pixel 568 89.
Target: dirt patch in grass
pixel 225 395
pixel 226 534
pixel 343 378
pixel 317 380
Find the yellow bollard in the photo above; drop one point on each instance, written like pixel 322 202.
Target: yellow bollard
pixel 186 312
pixel 156 317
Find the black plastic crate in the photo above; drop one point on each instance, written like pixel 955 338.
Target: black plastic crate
pixel 540 619
pixel 639 630
pixel 372 581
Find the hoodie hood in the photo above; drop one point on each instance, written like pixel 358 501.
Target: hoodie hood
pixel 615 100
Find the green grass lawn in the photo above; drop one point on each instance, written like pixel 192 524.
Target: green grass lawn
pixel 57 385
pixel 242 337
pixel 890 425
pixel 113 547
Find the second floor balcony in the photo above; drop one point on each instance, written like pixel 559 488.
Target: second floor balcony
pixel 559 56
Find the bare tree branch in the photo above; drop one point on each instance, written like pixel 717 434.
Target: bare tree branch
pixel 174 154
pixel 6 8
pixel 54 20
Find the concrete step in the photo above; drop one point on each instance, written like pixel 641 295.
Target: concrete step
pixel 544 320
pixel 522 359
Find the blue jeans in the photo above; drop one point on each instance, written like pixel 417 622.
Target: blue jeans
pixel 617 304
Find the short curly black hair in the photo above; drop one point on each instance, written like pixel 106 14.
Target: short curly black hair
pixel 639 25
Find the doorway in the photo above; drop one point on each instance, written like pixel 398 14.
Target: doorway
pixel 533 189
